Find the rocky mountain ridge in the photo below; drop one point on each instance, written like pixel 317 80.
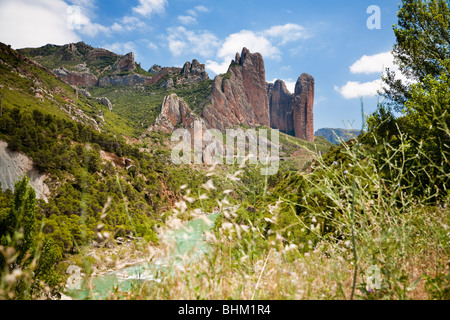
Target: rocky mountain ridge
pixel 337 135
pixel 239 97
pixel 243 97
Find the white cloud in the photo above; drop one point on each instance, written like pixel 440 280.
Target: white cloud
pixel 216 67
pixel 187 20
pixel 147 7
pixel 128 23
pixel 201 9
pixel 353 89
pixel 251 40
pixel 92 29
pixel 121 47
pixel 235 42
pixel 152 46
pixel 181 40
pixel 267 43
pixel 373 64
pixel 26 23
pixel 287 33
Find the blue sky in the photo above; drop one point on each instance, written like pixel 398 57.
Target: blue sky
pixel 328 39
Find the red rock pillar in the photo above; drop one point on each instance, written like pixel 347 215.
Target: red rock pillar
pixel 302 106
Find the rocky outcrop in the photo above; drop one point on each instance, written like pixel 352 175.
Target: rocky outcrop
pixel 239 96
pixel 137 79
pixel 293 113
pixel 98 54
pixel 75 78
pixel 125 64
pixel 105 101
pixel 126 80
pixel 154 69
pixel 14 165
pixel 174 113
pixel 302 106
pixel 242 96
pixel 280 103
pixel 192 73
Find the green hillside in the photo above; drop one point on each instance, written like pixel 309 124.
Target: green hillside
pixel 365 219
pixel 98 61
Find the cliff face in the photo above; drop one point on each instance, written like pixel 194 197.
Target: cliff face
pixel 302 106
pixel 280 102
pixel 242 96
pixel 125 64
pixel 14 165
pixel 293 113
pixel 75 78
pixel 174 112
pixel 239 96
pixel 192 73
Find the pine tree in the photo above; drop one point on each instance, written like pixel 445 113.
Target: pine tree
pixel 422 46
pixel 21 221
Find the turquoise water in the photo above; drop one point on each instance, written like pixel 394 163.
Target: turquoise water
pixel 187 242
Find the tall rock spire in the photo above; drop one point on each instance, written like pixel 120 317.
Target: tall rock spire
pixel 302 106
pixel 240 96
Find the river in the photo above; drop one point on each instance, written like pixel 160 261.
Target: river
pixel 187 241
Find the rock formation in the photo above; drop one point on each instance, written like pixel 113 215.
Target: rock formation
pixel 154 69
pixel 302 106
pixel 293 113
pixel 239 96
pixel 14 165
pixel 280 102
pixel 105 101
pixel 75 78
pixel 192 73
pixel 174 112
pixel 242 96
pixel 125 64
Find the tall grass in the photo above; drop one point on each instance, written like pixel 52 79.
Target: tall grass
pixel 384 242
pixel 368 236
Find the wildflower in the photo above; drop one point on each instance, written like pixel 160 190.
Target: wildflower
pixel 17 273
pixel 227 225
pixel 269 220
pixel 346 172
pixel 209 185
pixel 203 197
pixel 234 176
pixel 10 278
pixel 335 163
pixel 181 205
pixel 245 228
pixel 184 186
pixel 210 237
pixel 189 199
pixel 314 220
